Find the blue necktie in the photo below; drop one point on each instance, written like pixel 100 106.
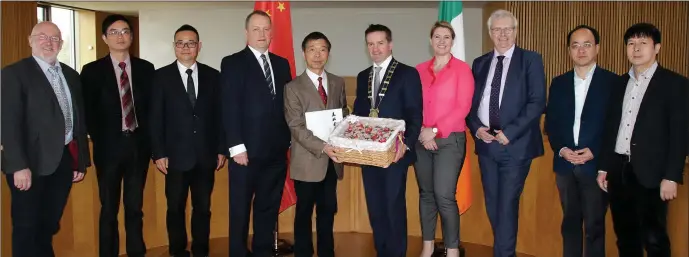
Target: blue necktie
pixel 494 106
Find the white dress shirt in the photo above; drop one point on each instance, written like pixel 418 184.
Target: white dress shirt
pixel 633 95
pixel 314 78
pixel 241 148
pixel 384 66
pixel 185 76
pixel 581 89
pixel 484 106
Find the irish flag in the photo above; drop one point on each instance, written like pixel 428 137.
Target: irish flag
pixel 451 11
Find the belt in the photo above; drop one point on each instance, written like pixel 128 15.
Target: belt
pixel 625 158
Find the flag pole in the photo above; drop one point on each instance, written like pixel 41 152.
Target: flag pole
pixel 281 247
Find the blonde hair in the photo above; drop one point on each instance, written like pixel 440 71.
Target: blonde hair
pixel 443 24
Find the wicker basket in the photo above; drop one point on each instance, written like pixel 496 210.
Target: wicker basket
pixel 367 152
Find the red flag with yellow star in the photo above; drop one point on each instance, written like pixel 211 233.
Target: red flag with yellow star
pixel 282 45
pixel 281 17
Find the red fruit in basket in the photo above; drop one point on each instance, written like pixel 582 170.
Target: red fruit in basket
pixel 369 129
pixel 386 129
pixel 382 140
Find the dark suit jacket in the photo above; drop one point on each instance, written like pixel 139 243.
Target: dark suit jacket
pixel 659 140
pixel 523 102
pixel 103 107
pixel 187 135
pixel 250 114
pixel 402 101
pixel 33 134
pixel 559 119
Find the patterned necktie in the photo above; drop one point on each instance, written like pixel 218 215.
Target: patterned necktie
pixel 128 115
pixel 59 88
pixel 191 91
pixel 268 74
pixel 494 106
pixel 376 83
pixel 321 91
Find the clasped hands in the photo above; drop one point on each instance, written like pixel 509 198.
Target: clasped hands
pixel 427 139
pixel 577 157
pixel 487 137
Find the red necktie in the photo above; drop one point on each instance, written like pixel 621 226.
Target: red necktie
pixel 126 96
pixel 321 91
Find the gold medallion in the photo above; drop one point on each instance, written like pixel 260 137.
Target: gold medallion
pixel 373 113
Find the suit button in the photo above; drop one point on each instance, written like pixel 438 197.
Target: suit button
pixel 194 131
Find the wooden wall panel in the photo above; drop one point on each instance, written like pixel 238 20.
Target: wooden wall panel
pixel 18 18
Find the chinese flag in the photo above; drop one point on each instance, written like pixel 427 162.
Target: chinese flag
pixel 282 45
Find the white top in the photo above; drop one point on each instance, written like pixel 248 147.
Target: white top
pixel 633 96
pixel 314 78
pixel 581 88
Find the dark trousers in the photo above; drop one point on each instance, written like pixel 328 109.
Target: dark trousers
pixel 503 180
pixel 385 191
pixel 177 185
pixel 639 215
pixel 263 180
pixel 582 201
pixel 36 213
pixel 324 195
pixel 128 169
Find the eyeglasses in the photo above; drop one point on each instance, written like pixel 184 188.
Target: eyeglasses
pixel 498 31
pixel 180 44
pixel 43 37
pixel 115 33
pixel 578 46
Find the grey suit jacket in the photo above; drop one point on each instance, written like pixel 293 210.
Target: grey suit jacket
pixel 33 134
pixel 308 162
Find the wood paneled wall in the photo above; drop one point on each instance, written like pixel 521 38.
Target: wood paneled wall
pixel 18 18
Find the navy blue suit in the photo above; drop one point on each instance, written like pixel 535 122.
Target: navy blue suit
pixel 504 168
pixel 580 196
pixel 253 116
pixel 386 188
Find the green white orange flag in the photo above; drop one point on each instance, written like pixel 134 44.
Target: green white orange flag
pixel 451 11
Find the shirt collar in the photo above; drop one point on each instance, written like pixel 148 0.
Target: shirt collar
pixel 384 64
pixel 117 64
pixel 588 73
pixel 258 54
pixel 314 77
pixel 507 54
pixel 647 74
pixel 45 65
pixel 183 69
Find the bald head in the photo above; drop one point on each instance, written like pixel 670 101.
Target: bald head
pixel 46 41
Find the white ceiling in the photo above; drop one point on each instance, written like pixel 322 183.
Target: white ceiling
pixel 132 8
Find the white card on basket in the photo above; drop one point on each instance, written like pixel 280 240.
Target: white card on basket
pixel 322 123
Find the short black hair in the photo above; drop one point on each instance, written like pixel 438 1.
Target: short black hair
pixel 108 21
pixel 379 27
pixel 255 12
pixel 643 30
pixel 596 36
pixel 315 36
pixel 187 27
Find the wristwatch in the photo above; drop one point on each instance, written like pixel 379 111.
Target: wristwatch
pixel 435 130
